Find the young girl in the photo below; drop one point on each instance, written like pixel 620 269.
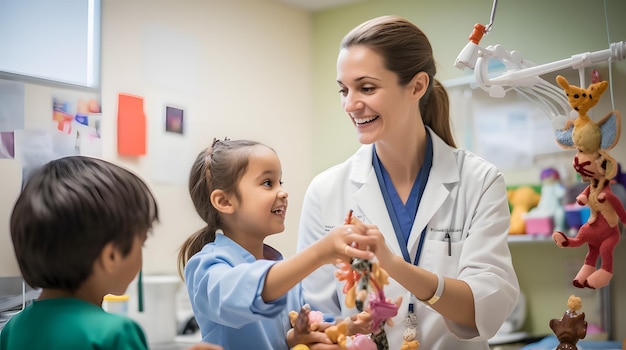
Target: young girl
pixel 241 290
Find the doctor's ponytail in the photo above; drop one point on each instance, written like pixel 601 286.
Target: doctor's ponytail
pixel 435 110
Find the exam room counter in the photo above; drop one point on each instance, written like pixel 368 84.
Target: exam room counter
pixel 181 342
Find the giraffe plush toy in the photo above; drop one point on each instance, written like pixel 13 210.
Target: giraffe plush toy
pixel 596 166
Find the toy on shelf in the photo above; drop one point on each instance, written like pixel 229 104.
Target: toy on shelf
pixel 522 200
pixel 549 214
pixel 571 327
pixel 597 167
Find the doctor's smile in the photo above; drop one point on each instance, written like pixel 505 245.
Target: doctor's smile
pixel 364 120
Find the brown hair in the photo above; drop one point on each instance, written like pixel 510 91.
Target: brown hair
pixel 220 166
pixel 68 211
pixel 406 51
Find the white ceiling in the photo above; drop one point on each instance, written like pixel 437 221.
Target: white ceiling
pixel 315 5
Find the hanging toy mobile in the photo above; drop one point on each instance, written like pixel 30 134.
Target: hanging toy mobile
pixel 364 282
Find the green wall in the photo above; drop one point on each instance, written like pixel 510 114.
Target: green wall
pixel 543 31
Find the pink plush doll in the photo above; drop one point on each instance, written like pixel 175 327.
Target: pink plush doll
pixel 596 166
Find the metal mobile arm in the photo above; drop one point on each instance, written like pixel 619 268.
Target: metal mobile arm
pixel 522 75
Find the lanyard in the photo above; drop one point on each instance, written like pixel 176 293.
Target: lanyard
pixel 422 180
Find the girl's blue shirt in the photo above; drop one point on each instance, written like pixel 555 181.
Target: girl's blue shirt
pixel 224 282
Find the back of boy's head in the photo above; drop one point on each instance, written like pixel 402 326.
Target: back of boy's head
pixel 68 211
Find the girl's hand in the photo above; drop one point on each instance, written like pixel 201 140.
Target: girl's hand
pixel 346 242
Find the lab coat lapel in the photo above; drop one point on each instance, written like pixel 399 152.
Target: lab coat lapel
pixel 444 172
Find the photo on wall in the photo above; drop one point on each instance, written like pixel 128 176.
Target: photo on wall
pixel 174 122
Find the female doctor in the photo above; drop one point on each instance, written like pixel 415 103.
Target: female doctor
pixel 440 212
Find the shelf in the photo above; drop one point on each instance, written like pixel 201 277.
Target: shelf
pixel 530 238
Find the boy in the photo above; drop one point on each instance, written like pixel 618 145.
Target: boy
pixel 78 228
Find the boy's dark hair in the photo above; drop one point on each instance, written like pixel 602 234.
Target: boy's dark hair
pixel 68 211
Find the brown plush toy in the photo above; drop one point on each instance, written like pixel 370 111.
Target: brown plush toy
pixel 597 167
pixel 571 327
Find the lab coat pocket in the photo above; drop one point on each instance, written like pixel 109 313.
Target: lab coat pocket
pixel 442 257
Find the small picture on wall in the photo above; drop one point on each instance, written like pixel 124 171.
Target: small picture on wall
pixel 174 120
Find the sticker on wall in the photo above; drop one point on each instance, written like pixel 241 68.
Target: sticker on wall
pixel 80 119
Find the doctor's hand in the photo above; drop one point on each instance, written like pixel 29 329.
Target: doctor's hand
pixel 384 255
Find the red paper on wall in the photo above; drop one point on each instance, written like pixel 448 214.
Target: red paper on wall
pixel 131 126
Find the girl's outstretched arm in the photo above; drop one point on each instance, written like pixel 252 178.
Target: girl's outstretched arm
pixel 339 244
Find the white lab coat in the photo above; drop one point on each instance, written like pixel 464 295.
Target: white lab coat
pixel 466 197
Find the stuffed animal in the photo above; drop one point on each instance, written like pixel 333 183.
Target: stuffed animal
pixel 571 327
pixel 307 320
pixel 338 334
pixel 597 167
pixel 521 199
pixel 586 134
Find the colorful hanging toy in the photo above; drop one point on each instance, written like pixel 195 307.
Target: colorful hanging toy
pixel 595 165
pixel 364 282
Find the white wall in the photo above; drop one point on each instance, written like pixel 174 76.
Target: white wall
pixel 239 68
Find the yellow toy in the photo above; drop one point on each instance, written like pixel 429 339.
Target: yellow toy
pixel 522 199
pixel 586 133
pixel 338 334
